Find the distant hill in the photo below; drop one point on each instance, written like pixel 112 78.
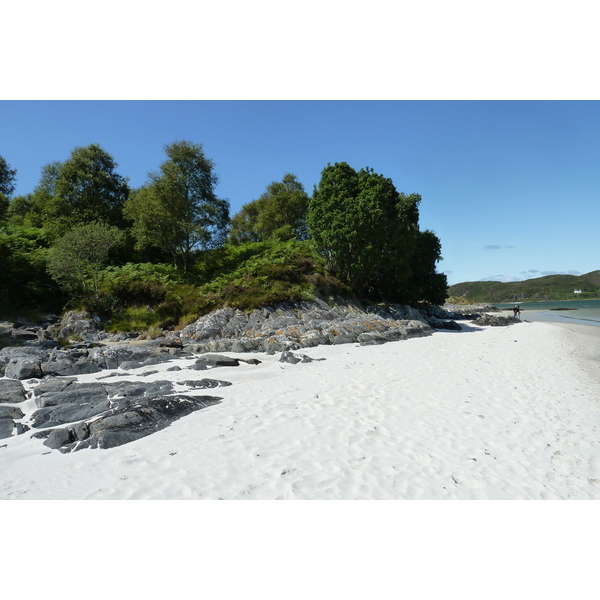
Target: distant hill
pixel 548 288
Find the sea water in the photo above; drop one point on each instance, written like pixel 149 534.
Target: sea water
pixel 584 312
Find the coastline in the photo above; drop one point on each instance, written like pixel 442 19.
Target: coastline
pixel 483 413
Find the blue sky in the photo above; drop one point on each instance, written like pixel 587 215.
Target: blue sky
pixel 510 187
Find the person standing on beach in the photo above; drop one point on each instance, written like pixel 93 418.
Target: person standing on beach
pixel 517 312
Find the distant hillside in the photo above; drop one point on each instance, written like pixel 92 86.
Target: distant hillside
pixel 551 287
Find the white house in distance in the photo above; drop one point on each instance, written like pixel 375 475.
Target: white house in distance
pixel 577 291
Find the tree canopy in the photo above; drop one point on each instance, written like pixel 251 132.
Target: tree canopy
pixel 278 214
pixel 177 209
pixel 83 189
pixel 77 259
pixel 369 234
pixel 88 189
pixel 7 185
pixel 7 178
pixel 356 236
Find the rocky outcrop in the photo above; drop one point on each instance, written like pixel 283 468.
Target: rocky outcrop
pixel 62 400
pixel 122 355
pixel 124 421
pixel 495 320
pixel 304 325
pixel 467 311
pixel 11 391
pixel 27 362
pixel 13 354
pixel 82 325
pixel 6 427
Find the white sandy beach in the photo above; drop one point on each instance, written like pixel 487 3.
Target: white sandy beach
pixel 490 413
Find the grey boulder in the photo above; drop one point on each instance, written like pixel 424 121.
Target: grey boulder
pixel 11 391
pixel 23 369
pixel 6 427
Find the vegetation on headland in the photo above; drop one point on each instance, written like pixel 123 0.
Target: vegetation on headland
pixel 549 288
pixel 162 255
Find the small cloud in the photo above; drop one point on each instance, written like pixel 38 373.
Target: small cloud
pixel 573 272
pixel 501 278
pixel 492 247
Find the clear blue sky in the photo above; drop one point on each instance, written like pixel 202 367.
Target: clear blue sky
pixel 510 187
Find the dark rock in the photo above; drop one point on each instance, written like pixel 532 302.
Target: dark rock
pixel 59 437
pixel 126 365
pixel 68 413
pixel 140 389
pixel 495 320
pixel 22 369
pixel 30 353
pixel 59 366
pixel 11 391
pixel 175 368
pixel 154 360
pixel 83 367
pixel 442 324
pixel 24 335
pixel 217 360
pixel 465 311
pixel 79 401
pixel 170 342
pixel 21 429
pixel 83 325
pixel 11 412
pixel 288 357
pixel 6 427
pixel 81 431
pixel 110 357
pixel 74 363
pixel 49 344
pixel 206 383
pixel 71 393
pixel 293 359
pixel 375 338
pixel 53 384
pixel 126 421
pixel 198 366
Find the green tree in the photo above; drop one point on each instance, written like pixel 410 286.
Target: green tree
pixel 429 284
pixel 24 281
pixel 7 178
pixel 7 185
pixel 77 259
pixel 369 233
pixel 18 209
pixel 177 210
pixel 38 208
pixel 243 224
pixel 83 189
pixel 279 214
